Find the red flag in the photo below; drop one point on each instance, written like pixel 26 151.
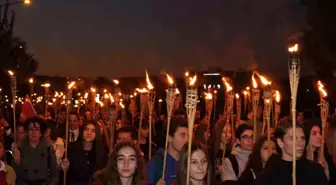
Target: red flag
pixel 27 110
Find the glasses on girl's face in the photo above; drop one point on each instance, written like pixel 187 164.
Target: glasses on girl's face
pixel 246 137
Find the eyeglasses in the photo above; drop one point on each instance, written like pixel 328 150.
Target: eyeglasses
pixel 245 137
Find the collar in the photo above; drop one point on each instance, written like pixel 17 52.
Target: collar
pixel 74 131
pixel 2 166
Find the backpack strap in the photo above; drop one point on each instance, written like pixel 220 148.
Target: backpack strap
pixel 234 163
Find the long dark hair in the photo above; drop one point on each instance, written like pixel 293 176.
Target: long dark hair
pixel 255 161
pixel 97 145
pixel 216 139
pixel 181 175
pixel 111 175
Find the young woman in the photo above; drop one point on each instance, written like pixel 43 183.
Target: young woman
pixel 125 167
pixel 313 135
pixel 199 166
pixel 7 173
pixel 86 155
pixel 262 150
pixel 222 136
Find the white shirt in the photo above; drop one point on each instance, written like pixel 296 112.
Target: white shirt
pixel 75 134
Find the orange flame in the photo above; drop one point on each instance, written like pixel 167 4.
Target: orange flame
pixel 186 74
pixel 11 73
pixel 116 82
pixel 177 91
pixel 192 80
pixel 254 82
pixel 208 96
pixel 93 89
pixel 122 105
pixel 323 92
pixel 170 79
pixel 263 79
pixel 237 96
pixel 227 85
pixel 71 84
pixel 56 94
pixel 245 93
pixel 86 95
pixel 143 90
pixel 277 96
pixel 149 84
pixel 31 80
pixel 294 48
pixel 46 85
pixel 111 97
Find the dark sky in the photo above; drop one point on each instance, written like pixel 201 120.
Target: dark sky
pixel 116 38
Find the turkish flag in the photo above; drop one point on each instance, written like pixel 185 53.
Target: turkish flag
pixel 27 110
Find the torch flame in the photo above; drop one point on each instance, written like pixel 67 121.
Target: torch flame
pixel 31 80
pixel 11 73
pixel 116 82
pixel 86 95
pixel 56 94
pixel 177 91
pixel 321 89
pixel 122 105
pixel 192 80
pixel 254 82
pixel 149 84
pixel 294 48
pixel 237 96
pixel 93 89
pixel 71 84
pixel 111 97
pixel 277 96
pixel 245 93
pixel 170 79
pixel 263 79
pixel 186 74
pixel 208 96
pixel 143 90
pixel 46 85
pixel 227 85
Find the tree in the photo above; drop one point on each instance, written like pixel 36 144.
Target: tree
pixel 13 50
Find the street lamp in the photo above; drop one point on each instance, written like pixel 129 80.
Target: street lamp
pixel 31 82
pixel 26 2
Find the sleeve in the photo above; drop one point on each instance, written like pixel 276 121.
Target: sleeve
pixel 228 172
pixel 150 172
pixel 262 179
pixel 320 176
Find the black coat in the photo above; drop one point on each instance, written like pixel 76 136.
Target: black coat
pixel 279 172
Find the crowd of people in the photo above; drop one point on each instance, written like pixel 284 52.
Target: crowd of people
pixel 226 153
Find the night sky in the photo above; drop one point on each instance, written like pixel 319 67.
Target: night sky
pixel 117 38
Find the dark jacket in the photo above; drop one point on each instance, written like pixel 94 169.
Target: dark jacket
pixel 279 172
pixel 35 164
pixel 83 164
